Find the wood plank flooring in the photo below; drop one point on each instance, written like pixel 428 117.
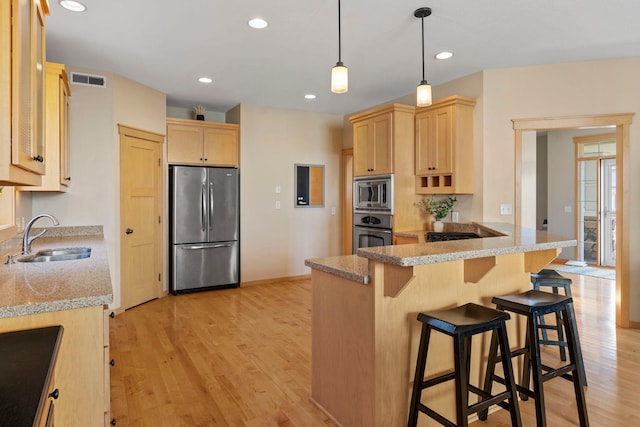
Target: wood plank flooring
pixel 241 357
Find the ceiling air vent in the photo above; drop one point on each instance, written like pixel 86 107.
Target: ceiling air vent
pixel 88 79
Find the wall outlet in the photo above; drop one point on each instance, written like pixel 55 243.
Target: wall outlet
pixel 568 209
pixel 506 209
pixel 454 216
pixel 333 211
pixel 278 189
pixel 277 204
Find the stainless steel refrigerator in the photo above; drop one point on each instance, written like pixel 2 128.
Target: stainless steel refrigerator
pixel 204 228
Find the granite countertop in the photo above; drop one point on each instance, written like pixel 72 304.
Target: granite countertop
pixel 513 240
pixel 508 239
pixel 38 287
pixel 350 267
pixel 472 227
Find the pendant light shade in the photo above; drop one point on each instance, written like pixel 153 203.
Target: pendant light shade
pixel 339 73
pixel 423 92
pixel 339 78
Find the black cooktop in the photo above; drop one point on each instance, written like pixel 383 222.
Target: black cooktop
pixel 433 236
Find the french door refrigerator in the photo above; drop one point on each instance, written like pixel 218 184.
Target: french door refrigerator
pixel 204 218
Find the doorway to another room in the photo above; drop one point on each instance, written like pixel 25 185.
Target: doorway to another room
pixel 596 199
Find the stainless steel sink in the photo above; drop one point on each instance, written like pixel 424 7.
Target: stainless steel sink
pixel 57 254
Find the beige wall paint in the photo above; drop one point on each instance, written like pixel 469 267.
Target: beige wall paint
pixel 188 113
pixel 529 148
pixel 94 195
pixel 599 87
pixel 275 242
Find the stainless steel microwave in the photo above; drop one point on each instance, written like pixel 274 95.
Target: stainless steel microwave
pixel 373 194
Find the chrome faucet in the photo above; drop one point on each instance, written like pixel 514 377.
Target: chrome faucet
pixel 26 240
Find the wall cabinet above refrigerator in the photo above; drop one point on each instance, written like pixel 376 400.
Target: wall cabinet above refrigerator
pixel 196 142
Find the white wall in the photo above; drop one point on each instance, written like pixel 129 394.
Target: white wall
pixel 93 197
pixel 275 242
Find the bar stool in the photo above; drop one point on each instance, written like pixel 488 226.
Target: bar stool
pixel 461 323
pixel 554 280
pixel 533 304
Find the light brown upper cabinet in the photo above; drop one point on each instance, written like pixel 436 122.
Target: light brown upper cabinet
pixel 57 176
pixel 22 95
pixel 196 142
pixel 444 146
pixel 375 136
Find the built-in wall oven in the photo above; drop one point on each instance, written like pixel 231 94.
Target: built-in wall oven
pixel 371 229
pixel 372 211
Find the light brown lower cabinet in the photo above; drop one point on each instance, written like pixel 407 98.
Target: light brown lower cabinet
pixel 79 372
pixel 402 240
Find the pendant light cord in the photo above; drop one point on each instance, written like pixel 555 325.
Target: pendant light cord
pixel 423 79
pixel 339 36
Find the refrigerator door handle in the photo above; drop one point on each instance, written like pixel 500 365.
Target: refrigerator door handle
pixel 203 207
pixel 210 205
pixel 199 247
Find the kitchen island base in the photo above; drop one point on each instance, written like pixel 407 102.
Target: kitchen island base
pixel 365 336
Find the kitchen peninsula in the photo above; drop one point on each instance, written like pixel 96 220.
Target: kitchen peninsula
pixel 364 329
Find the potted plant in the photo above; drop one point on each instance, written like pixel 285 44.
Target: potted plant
pixel 199 110
pixel 439 209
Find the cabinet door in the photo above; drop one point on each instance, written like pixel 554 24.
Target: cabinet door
pixel 361 152
pixel 184 144
pixel 27 149
pixel 382 157
pixel 65 170
pixel 434 143
pixel 221 147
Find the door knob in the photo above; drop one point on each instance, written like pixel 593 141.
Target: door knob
pixel 128 231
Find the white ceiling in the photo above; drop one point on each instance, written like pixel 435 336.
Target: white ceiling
pixel 168 44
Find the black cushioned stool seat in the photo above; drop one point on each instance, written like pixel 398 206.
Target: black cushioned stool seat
pixel 533 304
pixel 462 323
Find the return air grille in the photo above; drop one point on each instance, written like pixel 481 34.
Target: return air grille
pixel 88 79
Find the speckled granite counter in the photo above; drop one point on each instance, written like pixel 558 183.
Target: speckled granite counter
pixel 510 240
pixel 350 267
pixel 30 288
pixel 515 240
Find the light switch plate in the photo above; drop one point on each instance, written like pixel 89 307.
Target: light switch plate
pixel 506 209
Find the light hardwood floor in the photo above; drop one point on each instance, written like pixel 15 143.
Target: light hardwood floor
pixel 241 357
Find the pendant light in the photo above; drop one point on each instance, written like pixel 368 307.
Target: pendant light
pixel 423 92
pixel 339 73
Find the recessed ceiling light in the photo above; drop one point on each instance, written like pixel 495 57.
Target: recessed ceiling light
pixel 310 96
pixel 205 80
pixel 444 55
pixel 258 23
pixel 74 6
